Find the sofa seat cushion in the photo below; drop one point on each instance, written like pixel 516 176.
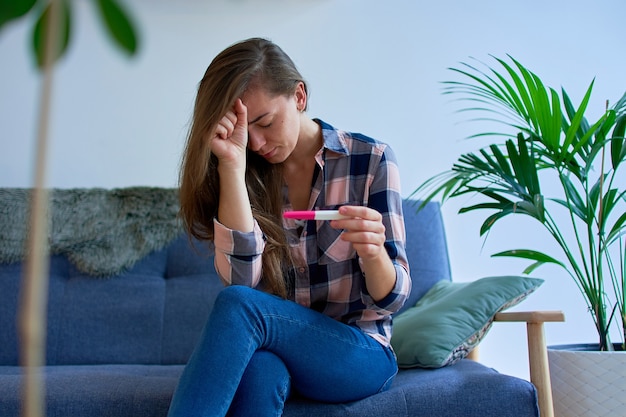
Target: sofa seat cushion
pixel 467 389
pixel 96 390
pixel 464 389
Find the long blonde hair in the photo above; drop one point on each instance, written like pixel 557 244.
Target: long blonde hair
pixel 263 63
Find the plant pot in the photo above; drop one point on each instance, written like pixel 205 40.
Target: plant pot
pixel 587 382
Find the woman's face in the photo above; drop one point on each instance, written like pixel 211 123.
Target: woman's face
pixel 273 123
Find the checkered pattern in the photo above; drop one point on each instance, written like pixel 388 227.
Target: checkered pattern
pixel 352 169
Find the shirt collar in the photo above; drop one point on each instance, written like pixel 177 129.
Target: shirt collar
pixel 333 139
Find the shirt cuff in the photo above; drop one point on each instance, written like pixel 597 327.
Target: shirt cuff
pixel 236 243
pixel 398 295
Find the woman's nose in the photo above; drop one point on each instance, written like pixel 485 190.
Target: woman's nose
pixel 255 141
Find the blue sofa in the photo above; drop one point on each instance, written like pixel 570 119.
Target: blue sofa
pixel 116 344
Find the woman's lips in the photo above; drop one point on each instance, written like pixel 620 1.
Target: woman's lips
pixel 269 154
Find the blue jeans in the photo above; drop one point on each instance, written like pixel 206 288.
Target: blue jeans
pixel 256 347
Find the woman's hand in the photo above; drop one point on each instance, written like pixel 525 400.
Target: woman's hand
pixel 365 230
pixel 230 137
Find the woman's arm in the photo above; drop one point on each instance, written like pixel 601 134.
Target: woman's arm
pixel 238 239
pixel 229 144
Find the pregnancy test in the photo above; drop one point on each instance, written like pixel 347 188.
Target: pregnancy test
pixel 314 215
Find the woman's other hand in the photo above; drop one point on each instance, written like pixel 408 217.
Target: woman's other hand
pixel 230 137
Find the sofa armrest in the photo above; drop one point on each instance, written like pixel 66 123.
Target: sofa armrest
pixel 537 352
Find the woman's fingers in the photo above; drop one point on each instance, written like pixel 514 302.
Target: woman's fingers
pixel 360 218
pixel 240 123
pixel 242 112
pixel 234 125
pixel 360 212
pixel 226 125
pixel 363 228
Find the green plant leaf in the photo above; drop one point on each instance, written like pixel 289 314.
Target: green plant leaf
pixel 574 202
pixel 480 206
pixel 554 126
pixel 572 131
pixel 618 150
pixel 529 166
pixel 570 112
pixel 14 9
pixel 546 121
pixel 491 220
pixel 618 229
pixel 118 25
pixel 594 193
pixel 444 183
pixel 533 209
pixel 609 201
pixel 514 158
pixel 533 255
pixel 503 163
pixel 588 149
pixel 530 268
pixel 522 89
pixel 515 100
pixel 41 29
pixel 607 123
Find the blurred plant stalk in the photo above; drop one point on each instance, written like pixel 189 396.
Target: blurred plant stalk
pixel 34 295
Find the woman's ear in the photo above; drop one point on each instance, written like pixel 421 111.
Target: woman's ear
pixel 300 96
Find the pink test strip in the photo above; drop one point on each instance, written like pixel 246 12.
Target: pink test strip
pixel 314 215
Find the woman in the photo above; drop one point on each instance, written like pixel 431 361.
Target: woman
pixel 308 304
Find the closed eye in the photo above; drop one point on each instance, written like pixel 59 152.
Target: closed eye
pixel 265 126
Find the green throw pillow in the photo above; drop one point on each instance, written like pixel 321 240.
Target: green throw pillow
pixel 453 317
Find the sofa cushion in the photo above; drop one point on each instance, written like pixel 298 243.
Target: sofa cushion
pixel 465 389
pixel 453 317
pixel 96 390
pixel 152 313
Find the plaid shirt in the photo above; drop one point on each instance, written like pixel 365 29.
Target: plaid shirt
pixel 352 169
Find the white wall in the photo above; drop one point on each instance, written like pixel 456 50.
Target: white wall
pixel 374 67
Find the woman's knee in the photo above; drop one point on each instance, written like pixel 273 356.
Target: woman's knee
pixel 235 294
pixel 242 299
pixel 233 297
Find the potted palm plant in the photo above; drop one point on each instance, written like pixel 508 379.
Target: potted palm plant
pixel 547 140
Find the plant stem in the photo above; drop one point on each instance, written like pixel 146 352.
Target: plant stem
pixel 605 343
pixel 34 290
pixel 590 281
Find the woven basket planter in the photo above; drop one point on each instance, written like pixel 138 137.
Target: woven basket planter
pixel 587 382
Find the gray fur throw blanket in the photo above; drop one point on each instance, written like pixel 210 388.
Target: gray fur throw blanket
pixel 102 232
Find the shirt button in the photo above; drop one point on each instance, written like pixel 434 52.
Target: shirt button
pixel 301 270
